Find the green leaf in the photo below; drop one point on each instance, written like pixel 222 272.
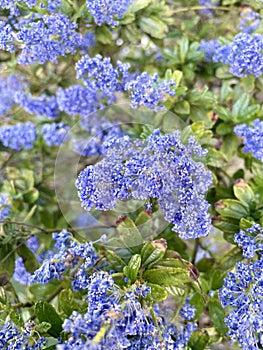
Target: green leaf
pixel 66 302
pixel 240 105
pixel 183 48
pixel 131 271
pixel 157 294
pixel 153 252
pixel 29 259
pixel 46 313
pixel 43 327
pixel 103 35
pixel 216 158
pixel 248 113
pixel 138 5
pixel 42 291
pixel 129 234
pixel 7 262
pixel 223 129
pixel 231 208
pixel 167 276
pixel 153 26
pixel 229 260
pixel 31 195
pixel 223 113
pixel 198 302
pixel 217 315
pixel 198 340
pixel 244 193
pixel 248 82
pixel 182 107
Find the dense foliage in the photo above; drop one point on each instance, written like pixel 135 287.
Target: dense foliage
pixel 131 181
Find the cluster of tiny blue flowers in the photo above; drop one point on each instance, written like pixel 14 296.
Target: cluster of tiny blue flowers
pixel 149 91
pixel 9 86
pixel 252 138
pixel 159 167
pixel 208 3
pixel 12 338
pixel 107 11
pixel 68 254
pixel 42 105
pixel 5 207
pixel 46 39
pixel 249 20
pixel 54 133
pixel 209 47
pixel 122 319
pixel 243 291
pixel 250 241
pixel 100 74
pixel 6 37
pixel 244 55
pixel 19 136
pixel 187 311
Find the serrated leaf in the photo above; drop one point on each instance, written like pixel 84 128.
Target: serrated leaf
pixel 167 276
pixel 46 313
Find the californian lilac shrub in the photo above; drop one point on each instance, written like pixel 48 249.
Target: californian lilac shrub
pixel 54 133
pixel 159 167
pixel 149 91
pixel 208 3
pixel 68 253
pixel 27 338
pixel 107 11
pixel 46 39
pixel 249 20
pixel 18 136
pixel 250 241
pixel 42 105
pixel 209 47
pixel 252 138
pixel 5 206
pixel 242 291
pixel 128 324
pixel 244 55
pixel 9 5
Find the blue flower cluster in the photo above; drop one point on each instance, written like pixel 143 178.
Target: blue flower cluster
pixel 250 241
pixel 9 87
pixel 187 311
pixel 6 37
pixel 106 11
pixel 209 47
pixel 208 3
pixel 159 167
pixel 54 133
pixel 99 73
pixel 249 20
pixel 19 136
pixel 42 105
pixel 252 138
pixel 46 39
pixel 5 207
pixel 117 320
pixel 26 338
pixel 244 55
pixel 243 291
pixel 68 254
pixel 149 91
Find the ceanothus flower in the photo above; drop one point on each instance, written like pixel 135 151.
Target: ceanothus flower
pixel 252 138
pixel 54 133
pixel 106 11
pixel 115 319
pixel 187 311
pixel 160 167
pixel 18 136
pixel 209 47
pixel 250 241
pixel 6 37
pixel 12 338
pixel 68 253
pixel 42 105
pixel 208 3
pixel 9 86
pixel 149 91
pixel 249 20
pixel 5 206
pixel 244 55
pixel 46 39
pixel 242 291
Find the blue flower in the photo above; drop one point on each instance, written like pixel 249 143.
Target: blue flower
pixel 106 11
pixel 19 136
pixel 159 167
pixel 252 138
pixel 209 47
pixel 6 37
pixel 208 3
pixel 187 311
pixel 244 55
pixel 249 20
pixel 250 241
pixel 243 291
pixel 54 133
pixel 5 206
pixel 9 87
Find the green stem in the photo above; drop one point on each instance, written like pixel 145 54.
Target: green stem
pixel 196 8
